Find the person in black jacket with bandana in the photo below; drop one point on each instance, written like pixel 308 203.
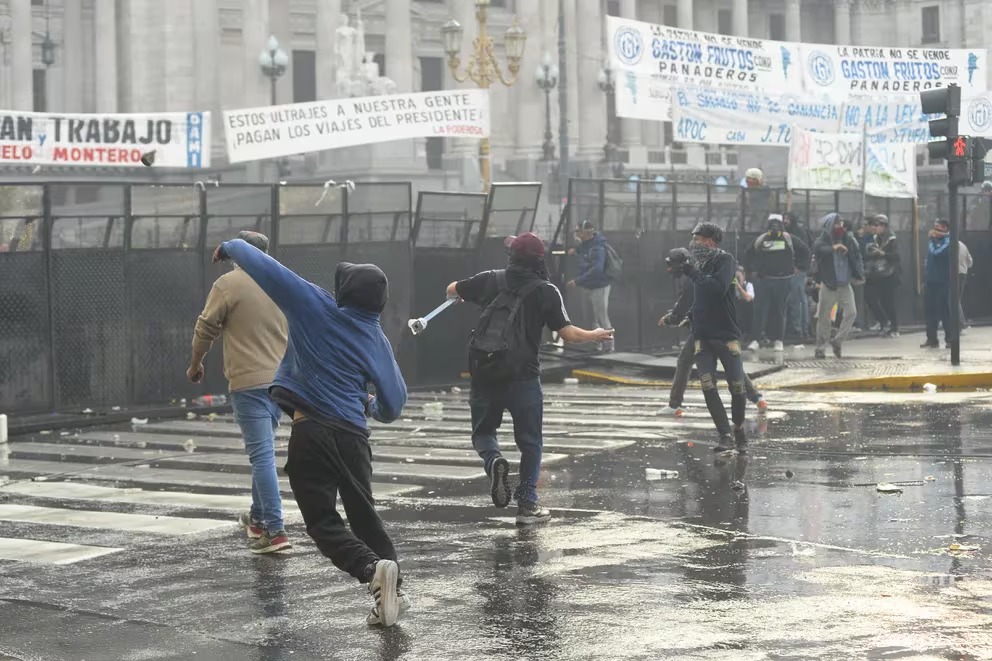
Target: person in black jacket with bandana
pixel 883 270
pixel 715 328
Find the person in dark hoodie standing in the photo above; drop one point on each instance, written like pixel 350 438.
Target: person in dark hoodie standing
pixel 714 327
pixel 593 281
pixel 937 292
pixel 883 270
pixel 511 381
pixel 774 257
pixel 839 266
pixel 797 316
pixel 336 348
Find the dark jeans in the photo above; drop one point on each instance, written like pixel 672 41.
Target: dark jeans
pixel 937 304
pixel 962 281
pixel 880 295
pixel 708 352
pixel 771 299
pixel 525 402
pixel 683 367
pixel 322 463
pixel 797 318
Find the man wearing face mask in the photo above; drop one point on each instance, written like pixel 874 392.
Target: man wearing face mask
pixel 839 266
pixel 774 257
pixel 937 293
pixel 715 328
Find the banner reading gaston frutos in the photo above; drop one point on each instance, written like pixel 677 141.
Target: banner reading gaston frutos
pixel 178 140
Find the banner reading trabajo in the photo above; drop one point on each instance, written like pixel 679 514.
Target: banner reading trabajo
pixel 179 140
pixel 836 162
pixel 275 131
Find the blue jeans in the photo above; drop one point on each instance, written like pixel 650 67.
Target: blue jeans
pixel 258 417
pixel 798 325
pixel 525 402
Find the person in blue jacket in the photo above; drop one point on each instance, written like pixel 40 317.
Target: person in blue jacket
pixel 336 347
pixel 937 292
pixel 593 282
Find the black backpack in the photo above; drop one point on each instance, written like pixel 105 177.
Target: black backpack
pixel 498 349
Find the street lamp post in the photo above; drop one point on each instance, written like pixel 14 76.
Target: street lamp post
pixel 608 86
pixel 482 67
pixel 547 79
pixel 274 62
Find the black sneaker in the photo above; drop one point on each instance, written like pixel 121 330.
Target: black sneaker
pixel 499 487
pixel 930 345
pixel 726 443
pixel 819 354
pixel 531 513
pixel 740 439
pixel 383 588
pixel 836 347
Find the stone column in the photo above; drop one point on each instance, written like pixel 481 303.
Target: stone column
pixel 327 23
pixel 630 128
pixel 592 100
pixel 575 81
pixel 72 56
pixel 740 18
pixel 105 33
pixel 399 44
pixel 842 21
pixel 793 20
pixel 181 68
pixel 685 14
pixel 21 59
pixel 254 34
pixel 279 25
pixel 529 98
pixel 206 46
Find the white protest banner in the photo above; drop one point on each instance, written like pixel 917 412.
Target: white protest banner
pixel 179 139
pixel 649 59
pixel 274 131
pixel 713 116
pixel 880 71
pixel 835 162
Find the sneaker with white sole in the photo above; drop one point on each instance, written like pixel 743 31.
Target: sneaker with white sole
pixel 253 529
pixel 384 589
pixel 754 346
pixel 499 487
pixel 669 412
pixel 373 619
pixel 271 542
pixel 530 513
pixel 779 346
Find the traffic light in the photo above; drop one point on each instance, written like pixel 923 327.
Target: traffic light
pixel 955 148
pixel 979 148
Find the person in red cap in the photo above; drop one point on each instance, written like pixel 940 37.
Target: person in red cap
pixel 518 302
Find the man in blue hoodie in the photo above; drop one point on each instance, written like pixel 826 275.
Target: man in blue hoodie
pixel 937 293
pixel 336 348
pixel 839 265
pixel 593 282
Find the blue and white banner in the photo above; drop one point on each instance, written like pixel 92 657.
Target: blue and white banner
pixel 879 72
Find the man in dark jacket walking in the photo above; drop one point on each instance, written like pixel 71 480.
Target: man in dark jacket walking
pixel 593 281
pixel 883 270
pixel 839 266
pixel 774 258
pixel 937 293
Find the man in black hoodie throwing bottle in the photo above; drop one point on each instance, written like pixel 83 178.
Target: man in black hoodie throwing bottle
pixel 506 374
pixel 715 328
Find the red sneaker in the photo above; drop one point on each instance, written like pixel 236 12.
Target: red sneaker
pixel 253 529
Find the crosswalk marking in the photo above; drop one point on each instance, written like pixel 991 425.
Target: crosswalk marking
pixel 53 553
pixel 165 525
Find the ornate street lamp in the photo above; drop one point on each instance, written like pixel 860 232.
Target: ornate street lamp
pixel 274 63
pixel 606 83
pixel 482 67
pixel 547 79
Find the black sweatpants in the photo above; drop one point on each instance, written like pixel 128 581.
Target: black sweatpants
pixel 322 463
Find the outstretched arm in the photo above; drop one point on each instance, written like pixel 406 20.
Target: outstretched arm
pixel 390 387
pixel 290 292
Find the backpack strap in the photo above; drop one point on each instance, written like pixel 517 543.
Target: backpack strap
pixel 520 294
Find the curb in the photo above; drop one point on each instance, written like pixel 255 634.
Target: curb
pixel 907 383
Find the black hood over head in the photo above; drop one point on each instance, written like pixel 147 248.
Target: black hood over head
pixel 361 286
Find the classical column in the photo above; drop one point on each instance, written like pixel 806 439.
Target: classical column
pixel 105 33
pixel 592 100
pixel 72 56
pixel 327 22
pixel 279 25
pixel 206 46
pixel 528 96
pixel 399 44
pixel 685 14
pixel 793 20
pixel 842 21
pixel 21 60
pixel 254 35
pixel 574 81
pixel 740 18
pixel 180 65
pixel 631 128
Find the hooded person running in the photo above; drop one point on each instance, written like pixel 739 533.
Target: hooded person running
pixel 517 303
pixel 336 347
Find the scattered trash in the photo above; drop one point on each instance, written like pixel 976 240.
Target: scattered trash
pixel 117 437
pixel 410 460
pixel 789 474
pixel 929 388
pixel 39 478
pixel 87 411
pixel 652 474
pixel 975 498
pixel 45 432
pixel 738 486
pixel 962 548
pixel 888 487
pixel 143 466
pixel 211 417
pixel 208 400
pixel 115 408
pixel 929 478
pixel 434 410
pixel 63 433
pixel 191 416
pixel 804 552
pixel 139 421
pixel 189 445
pixel 571 381
pixel 455 390
pixel 798 347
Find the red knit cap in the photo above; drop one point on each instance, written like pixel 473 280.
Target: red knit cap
pixel 527 244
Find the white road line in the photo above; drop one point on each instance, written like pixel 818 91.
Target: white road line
pixel 165 525
pixel 49 553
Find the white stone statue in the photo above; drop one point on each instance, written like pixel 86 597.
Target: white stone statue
pixel 345 63
pixel 357 71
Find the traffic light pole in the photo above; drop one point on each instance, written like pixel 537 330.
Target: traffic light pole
pixel 954 318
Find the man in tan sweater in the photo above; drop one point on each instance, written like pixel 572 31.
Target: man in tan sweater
pixel 254 332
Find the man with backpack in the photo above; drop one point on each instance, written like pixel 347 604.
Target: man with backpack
pixel 517 303
pixel 598 266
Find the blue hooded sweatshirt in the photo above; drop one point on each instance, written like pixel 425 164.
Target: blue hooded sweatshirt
pixel 335 348
pixel 939 261
pixel 592 263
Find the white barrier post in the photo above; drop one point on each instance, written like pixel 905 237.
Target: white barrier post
pixel 3 428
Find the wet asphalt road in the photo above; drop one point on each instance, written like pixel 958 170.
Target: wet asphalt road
pixel 790 553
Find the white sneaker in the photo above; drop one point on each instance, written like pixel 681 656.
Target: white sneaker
pixel 383 590
pixel 779 346
pixel 669 412
pixel 754 346
pixel 373 618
